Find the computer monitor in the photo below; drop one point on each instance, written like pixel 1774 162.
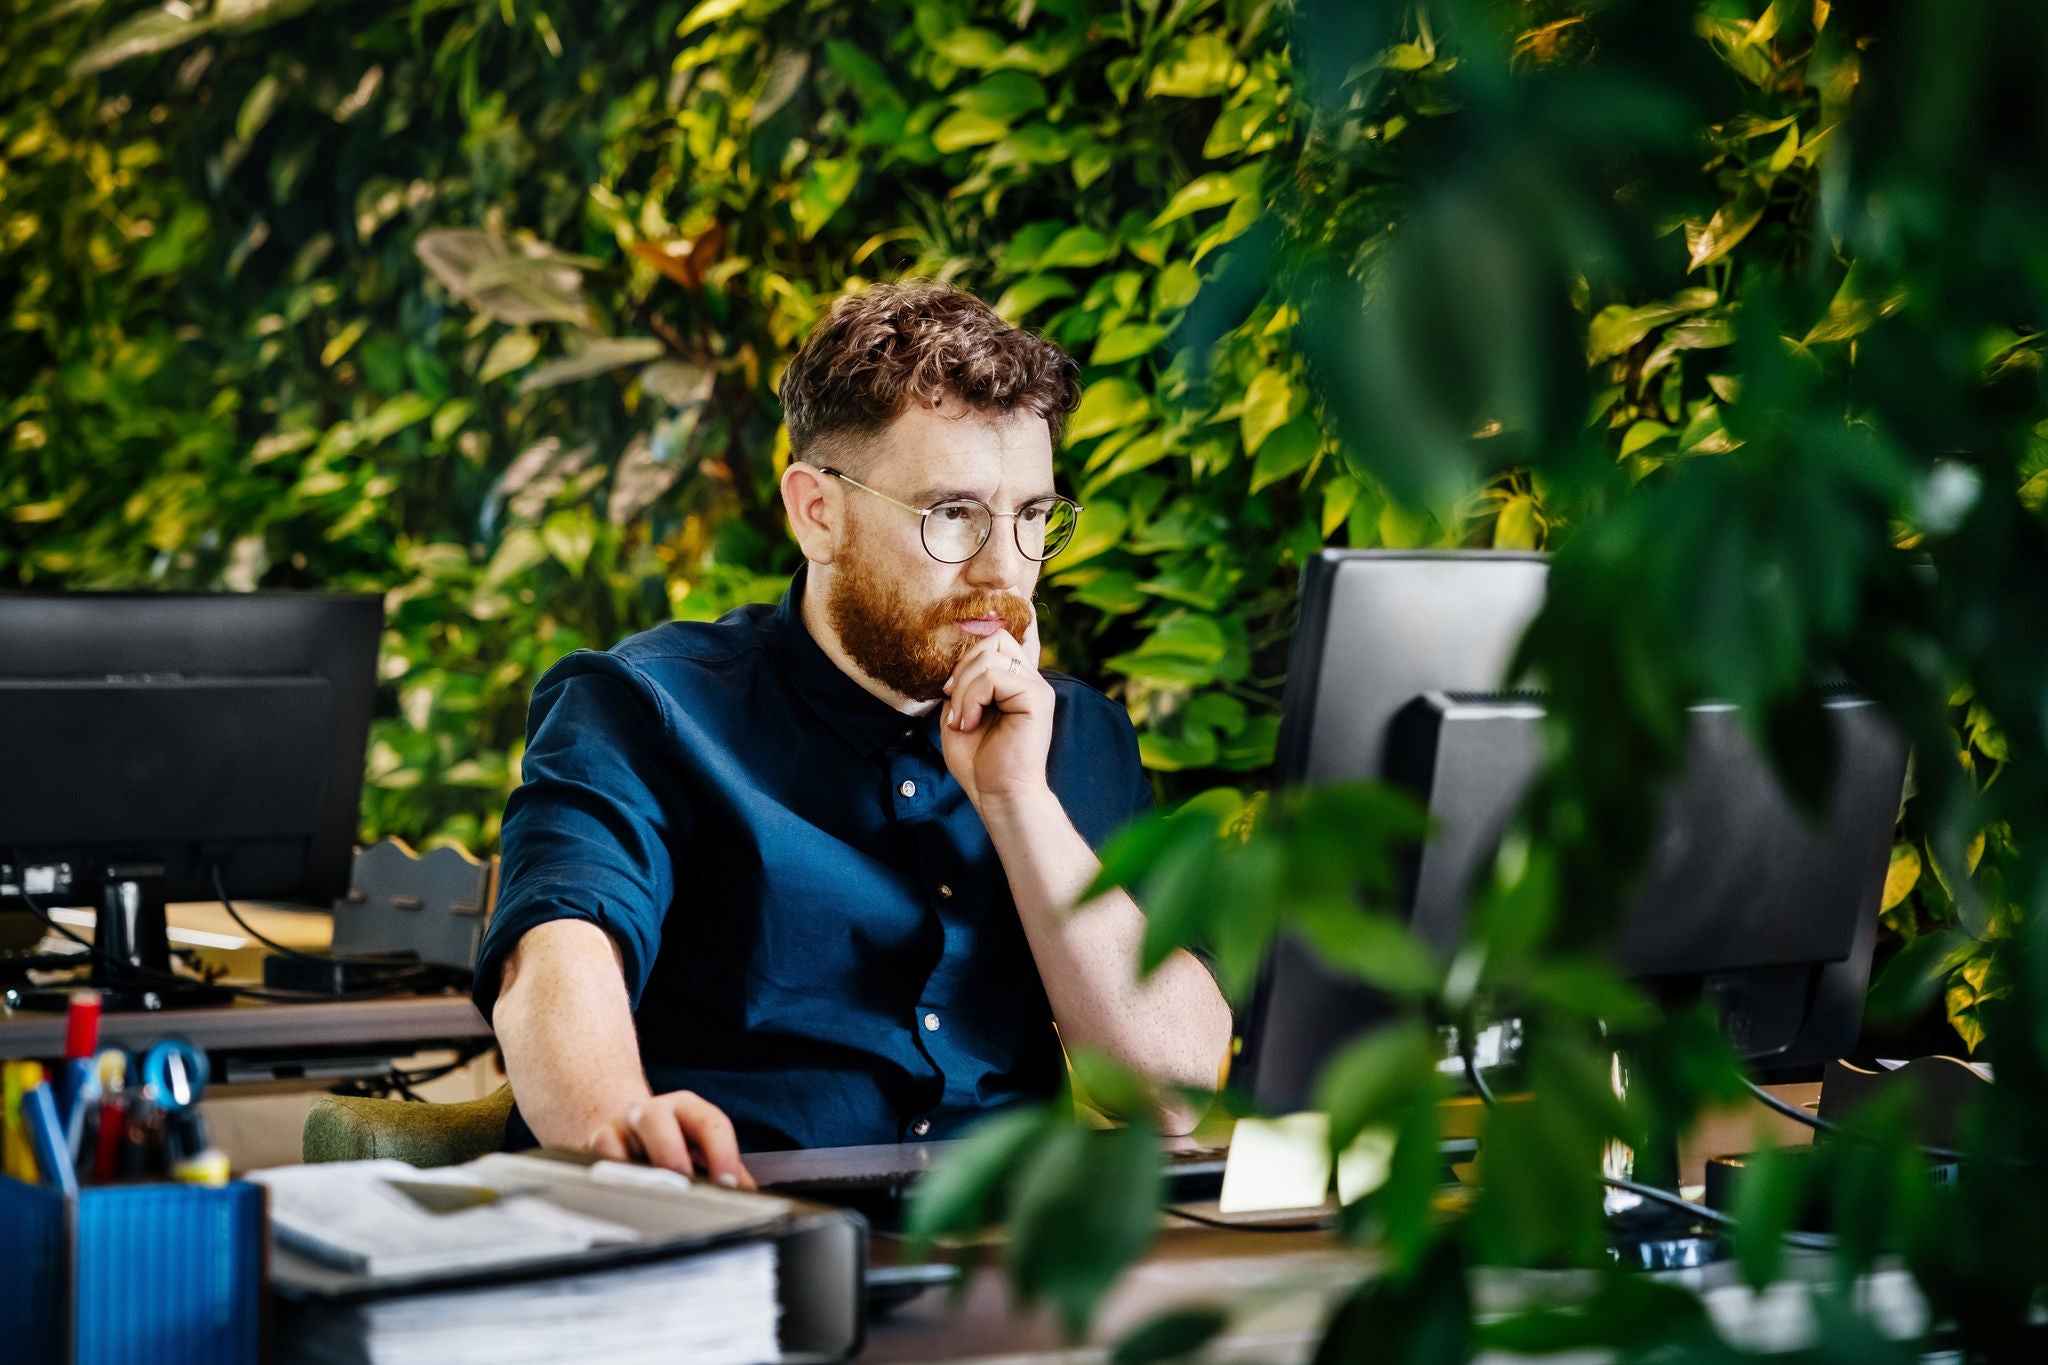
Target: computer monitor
pixel 153 740
pixel 1399 672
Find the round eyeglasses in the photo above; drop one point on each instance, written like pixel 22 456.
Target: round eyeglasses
pixel 956 529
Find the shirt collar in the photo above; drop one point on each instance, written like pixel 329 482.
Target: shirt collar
pixel 862 719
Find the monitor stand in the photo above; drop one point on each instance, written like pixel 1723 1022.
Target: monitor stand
pixel 131 952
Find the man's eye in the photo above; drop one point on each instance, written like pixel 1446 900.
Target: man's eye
pixel 955 511
pixel 1034 514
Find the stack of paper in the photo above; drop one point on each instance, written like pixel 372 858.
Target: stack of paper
pixel 518 1258
pixel 717 1308
pixel 379 1218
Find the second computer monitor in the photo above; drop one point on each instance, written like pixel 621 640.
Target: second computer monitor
pixel 1400 672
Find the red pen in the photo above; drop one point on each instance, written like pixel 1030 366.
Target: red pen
pixel 113 1124
pixel 75 1083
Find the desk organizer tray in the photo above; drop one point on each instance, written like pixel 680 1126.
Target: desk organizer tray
pixel 163 1273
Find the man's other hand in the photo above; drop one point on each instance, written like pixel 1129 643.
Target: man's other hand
pixel 679 1131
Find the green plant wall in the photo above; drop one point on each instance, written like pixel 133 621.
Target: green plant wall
pixel 481 306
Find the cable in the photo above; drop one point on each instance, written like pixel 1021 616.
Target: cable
pixel 1829 1126
pixel 394 969
pixel 173 979
pixel 1472 1070
pixel 1806 1241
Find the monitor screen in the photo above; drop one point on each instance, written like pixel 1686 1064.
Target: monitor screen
pixel 163 739
pixel 1400 672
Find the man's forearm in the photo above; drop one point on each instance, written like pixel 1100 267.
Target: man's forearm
pixel 1175 1025
pixel 566 1026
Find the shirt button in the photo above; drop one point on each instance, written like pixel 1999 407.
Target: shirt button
pixel 945 892
pixel 920 1128
pixel 908 788
pixel 931 1023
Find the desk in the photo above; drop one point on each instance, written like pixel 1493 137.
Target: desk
pixel 1281 1287
pixel 1289 1281
pixel 246 1036
pixel 265 1040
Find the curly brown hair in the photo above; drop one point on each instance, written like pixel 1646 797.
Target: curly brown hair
pixel 918 341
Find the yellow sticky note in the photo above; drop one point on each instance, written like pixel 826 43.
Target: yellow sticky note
pixel 1281 1163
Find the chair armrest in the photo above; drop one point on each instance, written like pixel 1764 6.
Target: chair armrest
pixel 343 1128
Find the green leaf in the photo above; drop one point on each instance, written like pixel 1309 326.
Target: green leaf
pixel 1406 57
pixel 1768 1190
pixel 153 30
pixel 1193 67
pixel 1174 1334
pixel 966 45
pixel 1641 434
pixel 1004 96
pixel 1028 293
pixel 1518 526
pixel 1902 876
pixel 1091 163
pixel 1146 450
pixel 1616 328
pixel 340 344
pixel 522 549
pixel 1268 402
pixel 1910 980
pixel 1085 1207
pixel 1371 947
pixel 1693 334
pixel 1365 1082
pixel 1184 649
pixel 965 128
pixel 1101 528
pixel 256 108
pixel 394 416
pixel 1585 989
pixel 1288 450
pixel 512 351
pixel 955 1195
pixel 829 185
pixel 1108 405
pixel 1731 223
pixel 599 357
pixel 1077 246
pixel 1126 343
pixel 708 12
pixel 868 78
pixel 1858 305
pixel 1203 192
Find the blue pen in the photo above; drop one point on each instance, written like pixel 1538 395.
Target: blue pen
pixel 53 1154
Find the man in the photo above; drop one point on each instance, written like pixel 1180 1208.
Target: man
pixel 804 877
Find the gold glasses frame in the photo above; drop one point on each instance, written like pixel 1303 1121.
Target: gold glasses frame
pixel 924 515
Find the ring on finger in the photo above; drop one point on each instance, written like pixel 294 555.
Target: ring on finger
pixel 1016 665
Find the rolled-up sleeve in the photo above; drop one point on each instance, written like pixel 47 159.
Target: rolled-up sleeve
pixel 588 833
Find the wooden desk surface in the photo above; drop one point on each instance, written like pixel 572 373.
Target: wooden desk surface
pixel 409 1023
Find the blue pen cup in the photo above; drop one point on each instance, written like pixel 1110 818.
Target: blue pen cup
pixel 163 1273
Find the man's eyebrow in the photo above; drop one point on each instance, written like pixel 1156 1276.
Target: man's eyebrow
pixel 931 497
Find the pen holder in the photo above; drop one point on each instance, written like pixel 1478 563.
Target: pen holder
pixel 165 1273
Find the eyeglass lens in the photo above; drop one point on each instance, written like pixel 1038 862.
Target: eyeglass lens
pixel 956 531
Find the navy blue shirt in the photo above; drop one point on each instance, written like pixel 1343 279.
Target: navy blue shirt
pixel 817 933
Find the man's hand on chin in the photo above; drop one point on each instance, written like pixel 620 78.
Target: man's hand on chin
pixel 680 1131
pixel 996 720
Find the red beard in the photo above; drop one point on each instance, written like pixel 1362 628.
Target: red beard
pixel 900 644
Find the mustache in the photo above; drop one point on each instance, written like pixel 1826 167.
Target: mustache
pixel 1015 611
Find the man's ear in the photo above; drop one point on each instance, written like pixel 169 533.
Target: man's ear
pixel 814 515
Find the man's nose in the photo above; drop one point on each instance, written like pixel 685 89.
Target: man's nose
pixel 999 563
